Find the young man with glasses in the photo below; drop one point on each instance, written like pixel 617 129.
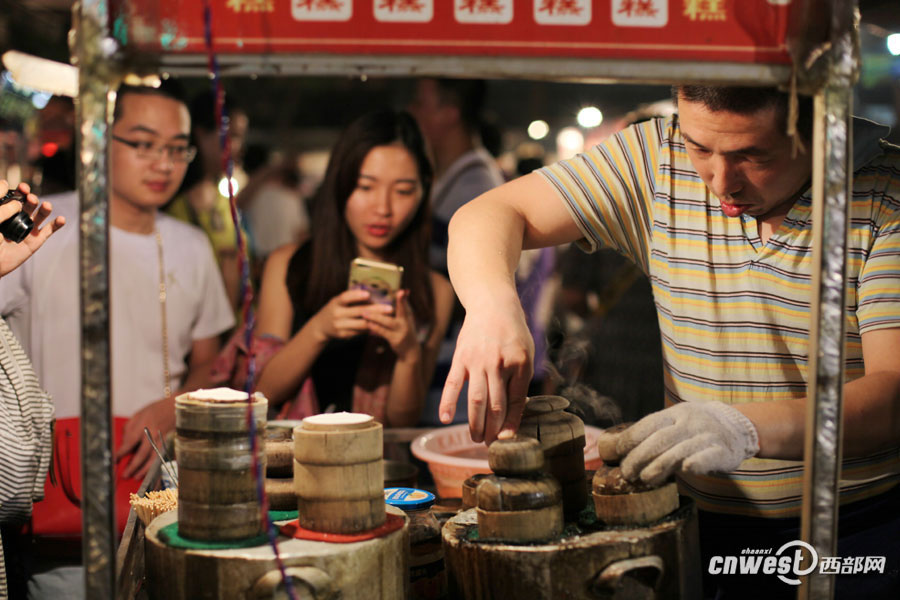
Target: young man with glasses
pixel 167 304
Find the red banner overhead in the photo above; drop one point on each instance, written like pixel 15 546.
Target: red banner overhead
pixel 746 31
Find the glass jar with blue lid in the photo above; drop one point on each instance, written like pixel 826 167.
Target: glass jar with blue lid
pixel 427 575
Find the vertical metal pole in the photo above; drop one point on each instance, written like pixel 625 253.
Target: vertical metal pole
pixel 832 176
pixel 92 51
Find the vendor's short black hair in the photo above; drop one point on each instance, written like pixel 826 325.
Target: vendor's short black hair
pixel 168 88
pixel 746 100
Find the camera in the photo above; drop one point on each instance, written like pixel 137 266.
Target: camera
pixel 17 227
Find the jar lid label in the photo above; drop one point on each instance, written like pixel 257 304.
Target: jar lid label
pixel 408 498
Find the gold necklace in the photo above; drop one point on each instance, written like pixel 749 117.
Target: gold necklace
pixel 167 386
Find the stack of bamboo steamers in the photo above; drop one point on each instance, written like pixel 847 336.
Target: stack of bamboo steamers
pixel 339 473
pixel 217 497
pixel 336 461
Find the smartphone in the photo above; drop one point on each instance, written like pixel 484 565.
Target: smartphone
pixel 381 279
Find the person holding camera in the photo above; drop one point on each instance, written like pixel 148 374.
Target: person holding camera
pixel 26 411
pixel 340 346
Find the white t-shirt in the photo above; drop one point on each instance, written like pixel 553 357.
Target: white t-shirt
pixel 41 302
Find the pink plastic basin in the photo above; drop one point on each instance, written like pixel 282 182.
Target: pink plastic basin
pixel 453 457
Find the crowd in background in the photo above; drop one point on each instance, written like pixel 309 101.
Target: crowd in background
pixel 393 180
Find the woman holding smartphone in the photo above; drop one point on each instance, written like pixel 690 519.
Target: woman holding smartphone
pixel 359 355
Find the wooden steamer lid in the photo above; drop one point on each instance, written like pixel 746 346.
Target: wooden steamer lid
pixel 339 472
pixel 218 410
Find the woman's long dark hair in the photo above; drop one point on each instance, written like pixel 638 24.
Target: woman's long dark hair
pixel 333 245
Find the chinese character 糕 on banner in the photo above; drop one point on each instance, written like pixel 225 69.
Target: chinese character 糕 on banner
pixel 483 11
pixel 640 13
pixel 562 12
pixel 322 10
pixel 420 11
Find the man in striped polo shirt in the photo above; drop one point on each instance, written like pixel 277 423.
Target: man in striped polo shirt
pixel 715 206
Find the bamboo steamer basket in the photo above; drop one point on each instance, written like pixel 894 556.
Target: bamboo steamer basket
pixel 279 451
pixel 217 489
pixel 339 473
pixel 281 493
pixel 373 569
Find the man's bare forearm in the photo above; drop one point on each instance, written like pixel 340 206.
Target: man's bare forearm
pixel 871 419
pixel 484 249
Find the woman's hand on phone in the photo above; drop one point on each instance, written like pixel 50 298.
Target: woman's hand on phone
pixel 397 326
pixel 342 317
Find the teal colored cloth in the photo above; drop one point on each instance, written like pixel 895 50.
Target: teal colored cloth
pixel 170 536
pixel 283 515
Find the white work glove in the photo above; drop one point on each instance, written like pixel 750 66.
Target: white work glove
pixel 697 437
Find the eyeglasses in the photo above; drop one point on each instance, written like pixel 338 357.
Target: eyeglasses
pixel 150 151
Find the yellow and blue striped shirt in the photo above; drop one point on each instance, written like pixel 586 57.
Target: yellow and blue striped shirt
pixel 735 314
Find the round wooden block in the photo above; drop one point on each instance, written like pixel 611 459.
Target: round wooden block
pixel 281 494
pixel 341 516
pixel 515 456
pixel 340 446
pixel 339 482
pixel 219 521
pixel 280 458
pixel 520 525
pixel 469 487
pixel 638 508
pixel 538 405
pixel 216 487
pixel 374 569
pixel 606 444
pixel 505 493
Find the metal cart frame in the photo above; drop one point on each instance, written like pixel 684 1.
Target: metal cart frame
pixel 827 71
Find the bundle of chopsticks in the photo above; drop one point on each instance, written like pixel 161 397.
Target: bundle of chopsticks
pixel 154 504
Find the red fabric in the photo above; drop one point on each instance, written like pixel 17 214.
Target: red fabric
pixel 59 513
pixel 391 523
